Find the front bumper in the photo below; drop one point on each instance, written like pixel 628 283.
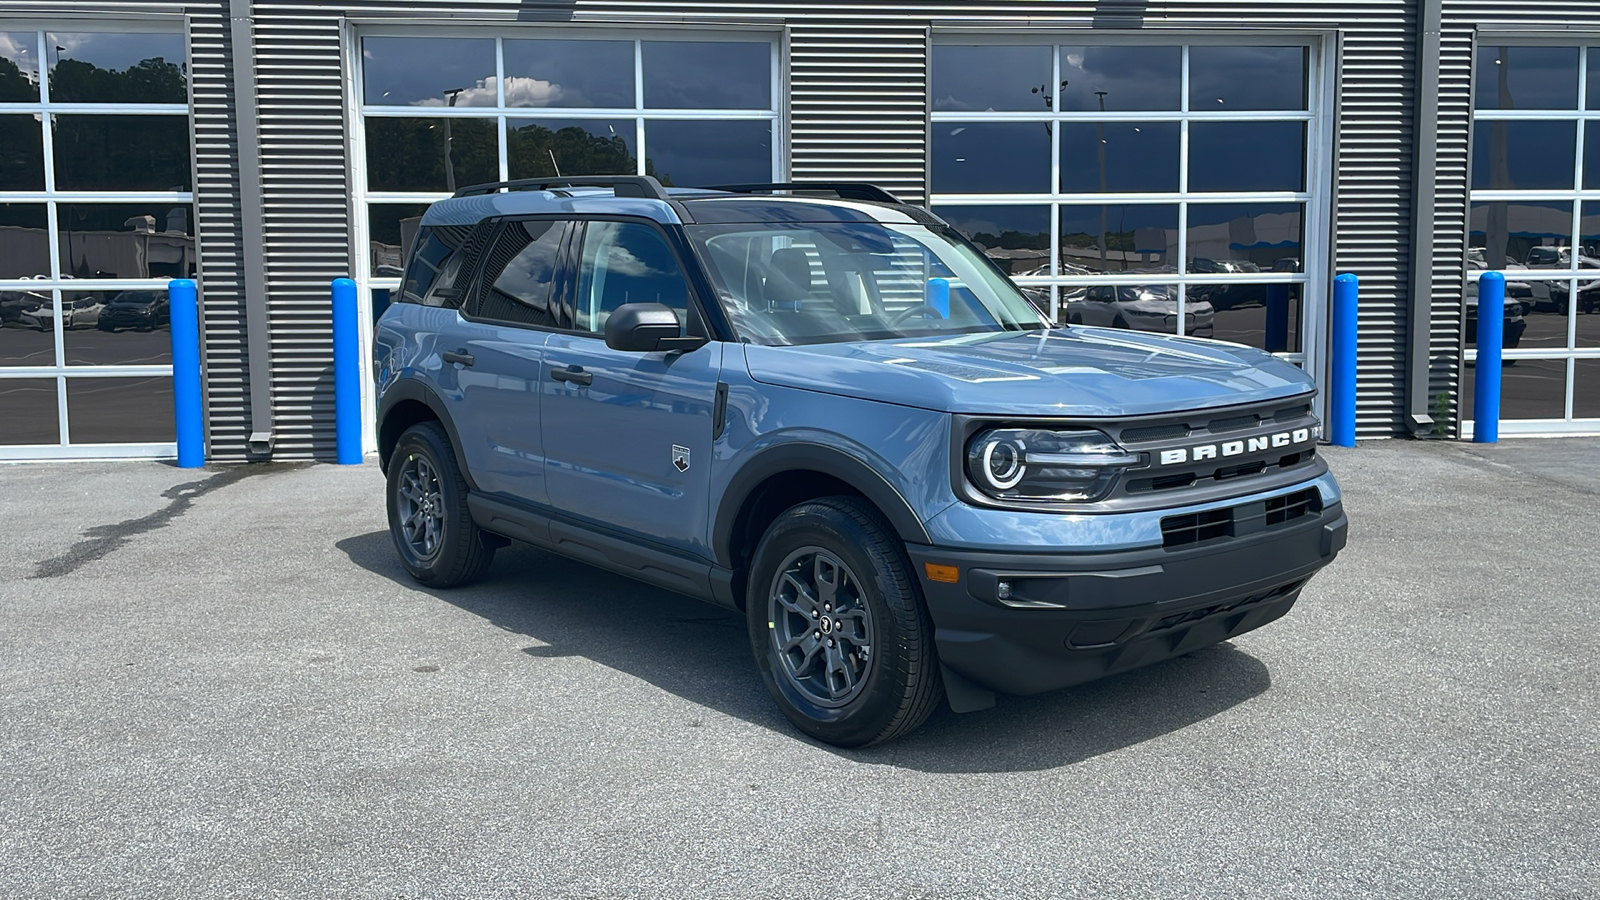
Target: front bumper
pixel 1075 617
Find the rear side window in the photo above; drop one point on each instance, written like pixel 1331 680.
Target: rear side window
pixel 519 276
pixel 433 276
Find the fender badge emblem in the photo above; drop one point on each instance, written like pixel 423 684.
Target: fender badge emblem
pixel 680 458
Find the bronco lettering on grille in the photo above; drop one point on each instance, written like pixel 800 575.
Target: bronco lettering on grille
pixel 1279 441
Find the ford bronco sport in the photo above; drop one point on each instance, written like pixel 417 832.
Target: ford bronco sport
pixel 826 409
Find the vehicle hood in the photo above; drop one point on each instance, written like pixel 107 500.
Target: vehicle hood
pixel 1077 371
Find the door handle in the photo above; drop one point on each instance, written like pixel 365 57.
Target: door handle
pixel 574 374
pixel 462 357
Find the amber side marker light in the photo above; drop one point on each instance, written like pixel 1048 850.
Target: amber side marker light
pixel 944 574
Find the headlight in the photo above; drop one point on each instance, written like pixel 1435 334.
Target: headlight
pixel 1035 465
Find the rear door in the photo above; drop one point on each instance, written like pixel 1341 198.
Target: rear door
pixel 514 305
pixel 627 436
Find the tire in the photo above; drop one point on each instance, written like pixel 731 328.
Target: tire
pixel 439 544
pixel 825 684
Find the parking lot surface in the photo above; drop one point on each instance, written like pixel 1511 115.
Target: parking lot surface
pixel 220 683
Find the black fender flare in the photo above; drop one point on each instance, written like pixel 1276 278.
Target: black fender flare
pixel 807 456
pixel 405 389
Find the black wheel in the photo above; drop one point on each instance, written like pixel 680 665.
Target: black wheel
pixel 439 544
pixel 838 627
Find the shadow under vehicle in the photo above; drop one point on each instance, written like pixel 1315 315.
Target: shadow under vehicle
pixel 139 310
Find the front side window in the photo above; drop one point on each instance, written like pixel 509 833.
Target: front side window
pixel 824 283
pixel 625 262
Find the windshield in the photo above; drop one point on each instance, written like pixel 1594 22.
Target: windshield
pixel 817 283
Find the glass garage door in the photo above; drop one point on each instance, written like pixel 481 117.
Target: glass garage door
pixel 1535 216
pixel 439 113
pixel 1163 186
pixel 96 215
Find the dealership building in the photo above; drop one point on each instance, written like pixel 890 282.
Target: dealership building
pixel 1219 162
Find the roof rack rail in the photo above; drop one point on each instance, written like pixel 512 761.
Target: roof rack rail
pixel 844 190
pixel 622 185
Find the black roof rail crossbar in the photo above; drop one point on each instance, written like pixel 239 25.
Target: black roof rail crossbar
pixel 621 185
pixel 845 190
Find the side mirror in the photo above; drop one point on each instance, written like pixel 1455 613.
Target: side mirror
pixel 647 328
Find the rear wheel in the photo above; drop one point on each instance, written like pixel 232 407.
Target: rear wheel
pixel 433 531
pixel 838 627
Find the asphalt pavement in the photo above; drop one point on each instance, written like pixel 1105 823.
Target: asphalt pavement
pixel 219 683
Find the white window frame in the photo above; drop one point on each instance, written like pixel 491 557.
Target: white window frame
pixel 1317 243
pixel 1576 196
pixel 357 111
pixel 50 198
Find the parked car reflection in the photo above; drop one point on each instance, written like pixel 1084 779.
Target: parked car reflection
pixel 139 310
pixel 83 312
pixel 1519 302
pixel 1556 294
pixel 1139 307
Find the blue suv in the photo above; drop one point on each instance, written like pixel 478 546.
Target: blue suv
pixel 826 409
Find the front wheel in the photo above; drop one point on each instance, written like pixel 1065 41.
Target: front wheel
pixel 433 531
pixel 838 627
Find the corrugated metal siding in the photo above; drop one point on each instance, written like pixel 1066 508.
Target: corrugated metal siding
pixel 858 104
pixel 217 218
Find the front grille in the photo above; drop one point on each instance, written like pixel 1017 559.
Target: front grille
pixel 1237 428
pixel 1236 521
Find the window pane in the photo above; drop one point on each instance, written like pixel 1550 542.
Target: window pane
pixel 1592 93
pixel 27 329
pixel 991 77
pixel 1245 237
pixel 518 289
pixel 99 67
pixel 1523 232
pixel 1523 155
pixel 24 241
pixel 19 67
pixel 122 153
pixel 707 75
pixel 689 154
pixel 569 73
pixel 28 407
pixel 535 148
pixel 1527 77
pixel 126 240
pixel 1228 78
pixel 1591 154
pixel 437 276
pixel 404 71
pixel 624 262
pixel 1247 156
pixel 120 410
pixel 1119 156
pixel 391 228
pixel 116 328
pixel 992 158
pixel 1017 238
pixel 1120 78
pixel 1138 306
pixel 1586 389
pixel 1266 316
pixel 1529 389
pixel 411 154
pixel 1114 238
pixel 21 154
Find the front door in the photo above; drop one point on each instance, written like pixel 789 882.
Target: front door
pixel 627 436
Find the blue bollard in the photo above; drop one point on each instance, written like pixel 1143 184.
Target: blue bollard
pixel 1277 328
pixel 1342 364
pixel 939 295
pixel 183 314
pixel 1486 373
pixel 346 373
